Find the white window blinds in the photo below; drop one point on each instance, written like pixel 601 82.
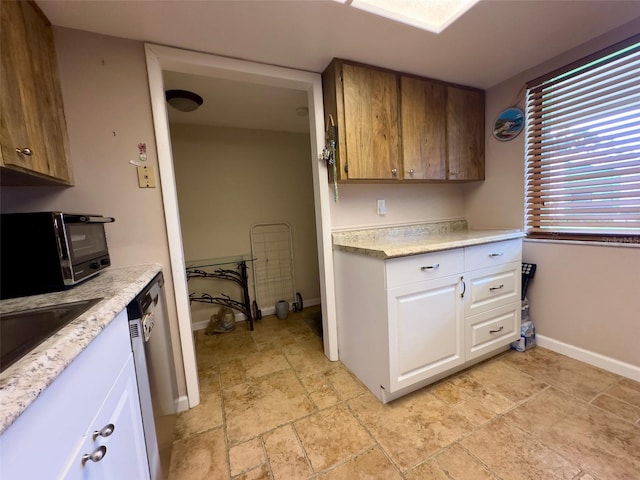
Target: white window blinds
pixel 583 148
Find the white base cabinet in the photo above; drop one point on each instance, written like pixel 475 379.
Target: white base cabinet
pixel 406 322
pixel 116 454
pixel 91 409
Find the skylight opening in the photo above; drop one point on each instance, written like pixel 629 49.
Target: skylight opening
pixel 431 15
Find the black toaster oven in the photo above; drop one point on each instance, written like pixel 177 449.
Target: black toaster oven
pixel 46 252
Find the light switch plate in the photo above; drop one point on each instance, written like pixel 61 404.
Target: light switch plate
pixel 146 177
pixel 382 207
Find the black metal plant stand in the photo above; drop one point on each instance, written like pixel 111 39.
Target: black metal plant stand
pixel 239 276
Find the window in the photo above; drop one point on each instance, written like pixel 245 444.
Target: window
pixel 583 149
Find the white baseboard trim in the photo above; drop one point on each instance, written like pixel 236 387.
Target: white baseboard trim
pixel 182 404
pixel 592 358
pixel 241 317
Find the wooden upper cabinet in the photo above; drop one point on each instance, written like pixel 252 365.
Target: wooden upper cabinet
pixel 465 133
pixel 363 102
pixel 31 101
pixel 393 126
pixel 424 135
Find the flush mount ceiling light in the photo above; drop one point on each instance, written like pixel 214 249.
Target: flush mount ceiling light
pixel 431 15
pixel 183 100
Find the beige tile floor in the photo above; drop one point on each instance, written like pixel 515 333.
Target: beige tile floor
pixel 274 407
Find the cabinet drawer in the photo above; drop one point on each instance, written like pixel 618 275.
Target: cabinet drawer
pixel 492 287
pixel 490 254
pixel 493 329
pixel 429 266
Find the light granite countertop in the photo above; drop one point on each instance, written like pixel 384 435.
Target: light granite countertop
pixel 25 380
pixel 402 241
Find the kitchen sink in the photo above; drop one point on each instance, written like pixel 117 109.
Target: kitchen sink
pixel 22 331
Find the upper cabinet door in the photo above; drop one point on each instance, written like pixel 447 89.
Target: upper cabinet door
pixel 424 139
pixel 18 92
pixel 465 133
pixel 33 132
pixel 370 123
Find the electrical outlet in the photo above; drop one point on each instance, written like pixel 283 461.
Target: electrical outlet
pixel 382 207
pixel 146 177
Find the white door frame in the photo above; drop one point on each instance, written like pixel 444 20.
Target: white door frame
pixel 161 58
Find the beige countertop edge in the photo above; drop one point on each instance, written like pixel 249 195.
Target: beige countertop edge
pixel 432 243
pixel 23 382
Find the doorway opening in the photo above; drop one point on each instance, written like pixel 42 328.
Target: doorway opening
pixel 160 59
pixel 245 193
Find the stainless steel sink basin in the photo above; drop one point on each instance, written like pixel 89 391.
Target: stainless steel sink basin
pixel 22 331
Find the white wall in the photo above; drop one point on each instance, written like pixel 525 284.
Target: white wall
pixel 414 203
pixel 229 179
pixel 106 98
pixel 588 296
pixel 584 296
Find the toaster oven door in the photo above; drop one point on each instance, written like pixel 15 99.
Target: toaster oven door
pixel 86 244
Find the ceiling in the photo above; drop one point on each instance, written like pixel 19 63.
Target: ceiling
pixel 230 103
pixel 493 41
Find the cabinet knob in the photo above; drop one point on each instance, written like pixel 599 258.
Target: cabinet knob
pixel 95 456
pixel 497 331
pixel 394 172
pixel 106 431
pixel 493 289
pixel 24 151
pixel 496 254
pixel 411 172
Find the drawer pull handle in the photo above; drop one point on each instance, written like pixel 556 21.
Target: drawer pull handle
pixel 493 289
pixel 497 331
pixel 95 456
pixel 106 431
pixel 430 267
pixel 496 254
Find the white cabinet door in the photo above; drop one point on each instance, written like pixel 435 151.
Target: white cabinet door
pixel 119 452
pixel 425 330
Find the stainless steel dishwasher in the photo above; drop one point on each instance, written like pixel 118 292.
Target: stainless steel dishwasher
pixel 155 373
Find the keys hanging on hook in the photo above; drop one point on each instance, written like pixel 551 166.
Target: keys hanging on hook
pixel 328 153
pixel 331 135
